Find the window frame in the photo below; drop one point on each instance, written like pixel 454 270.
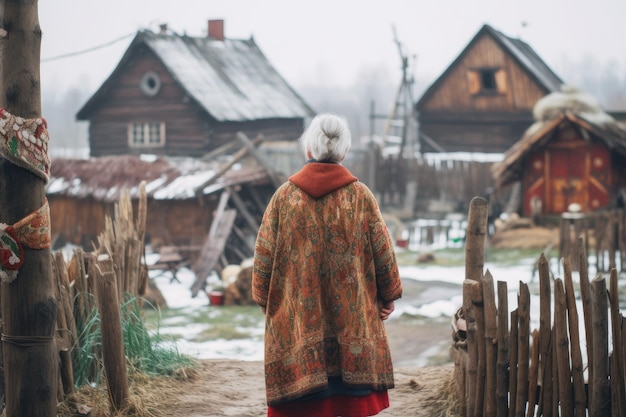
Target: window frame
pixel 153 134
pixel 476 81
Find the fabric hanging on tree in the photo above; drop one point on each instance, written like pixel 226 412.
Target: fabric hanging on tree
pixel 24 142
pixel 33 232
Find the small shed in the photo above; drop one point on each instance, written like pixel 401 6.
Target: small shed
pixel 179 95
pixel 483 101
pixel 184 197
pixel 574 153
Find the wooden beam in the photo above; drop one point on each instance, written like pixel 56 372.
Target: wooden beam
pixel 212 249
pixel 250 145
pixel 243 210
pixel 224 168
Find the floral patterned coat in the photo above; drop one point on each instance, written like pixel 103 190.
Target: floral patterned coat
pixel 324 263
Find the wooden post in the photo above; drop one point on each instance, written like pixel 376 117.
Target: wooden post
pixel 502 367
pixel 578 381
pixel 523 302
pixel 513 358
pixel 617 369
pixel 475 239
pixel 491 335
pixel 111 327
pixel 479 311
pixel 599 386
pixel 469 287
pixel 585 297
pixel 29 306
pixel 533 374
pixel 562 350
pixel 545 332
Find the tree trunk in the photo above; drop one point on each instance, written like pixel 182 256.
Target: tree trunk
pixel 28 303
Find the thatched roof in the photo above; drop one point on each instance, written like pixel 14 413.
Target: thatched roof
pixel 104 178
pixel 570 106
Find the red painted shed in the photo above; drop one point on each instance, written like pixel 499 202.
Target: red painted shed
pixel 574 153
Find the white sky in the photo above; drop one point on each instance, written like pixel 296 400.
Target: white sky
pixel 329 41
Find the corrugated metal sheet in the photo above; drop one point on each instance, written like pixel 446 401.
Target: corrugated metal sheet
pixel 231 79
pixel 105 178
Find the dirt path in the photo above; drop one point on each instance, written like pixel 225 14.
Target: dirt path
pixel 236 388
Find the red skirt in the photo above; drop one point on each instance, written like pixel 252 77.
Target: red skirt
pixel 336 405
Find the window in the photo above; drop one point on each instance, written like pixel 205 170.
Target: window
pixel 487 81
pixel 150 84
pixel 146 135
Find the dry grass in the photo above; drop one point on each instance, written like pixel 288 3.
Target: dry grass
pixel 146 399
pixel 526 238
pixel 445 403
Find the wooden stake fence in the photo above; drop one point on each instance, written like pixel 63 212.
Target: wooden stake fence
pixel 99 280
pixel 504 369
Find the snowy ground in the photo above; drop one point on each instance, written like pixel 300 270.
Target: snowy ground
pixel 440 295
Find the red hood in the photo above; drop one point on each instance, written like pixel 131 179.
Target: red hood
pixel 319 178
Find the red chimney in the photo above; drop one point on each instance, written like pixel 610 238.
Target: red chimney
pixel 216 29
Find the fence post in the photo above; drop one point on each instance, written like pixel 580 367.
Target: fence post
pixel 523 301
pixel 580 396
pixel 617 375
pixel 545 334
pixel 490 340
pixel 502 371
pixel 562 349
pixel 599 385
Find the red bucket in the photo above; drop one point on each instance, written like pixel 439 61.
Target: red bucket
pixel 216 298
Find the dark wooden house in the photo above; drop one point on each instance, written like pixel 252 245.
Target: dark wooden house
pixel 573 154
pixel 483 101
pixel 179 95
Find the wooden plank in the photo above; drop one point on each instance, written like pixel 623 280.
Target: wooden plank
pixel 213 248
pixel 225 168
pixel 251 146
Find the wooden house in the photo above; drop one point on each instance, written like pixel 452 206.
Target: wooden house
pixel 483 101
pixel 178 95
pixel 573 154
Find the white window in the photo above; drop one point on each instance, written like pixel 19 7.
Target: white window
pixel 146 135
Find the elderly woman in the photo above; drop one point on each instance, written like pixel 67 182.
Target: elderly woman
pixel 325 274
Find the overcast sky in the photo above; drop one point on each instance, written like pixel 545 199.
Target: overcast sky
pixel 312 42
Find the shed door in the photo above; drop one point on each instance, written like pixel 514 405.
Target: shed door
pixel 568 178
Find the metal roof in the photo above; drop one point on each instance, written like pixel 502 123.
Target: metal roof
pixel 230 79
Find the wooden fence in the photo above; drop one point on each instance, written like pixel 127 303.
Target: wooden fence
pixel 99 281
pixel 502 368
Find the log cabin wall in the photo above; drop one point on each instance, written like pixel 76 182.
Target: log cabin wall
pixel 186 125
pixel 188 129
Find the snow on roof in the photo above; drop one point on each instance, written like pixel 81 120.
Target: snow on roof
pixel 166 178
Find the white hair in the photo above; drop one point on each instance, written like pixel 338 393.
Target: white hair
pixel 327 138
